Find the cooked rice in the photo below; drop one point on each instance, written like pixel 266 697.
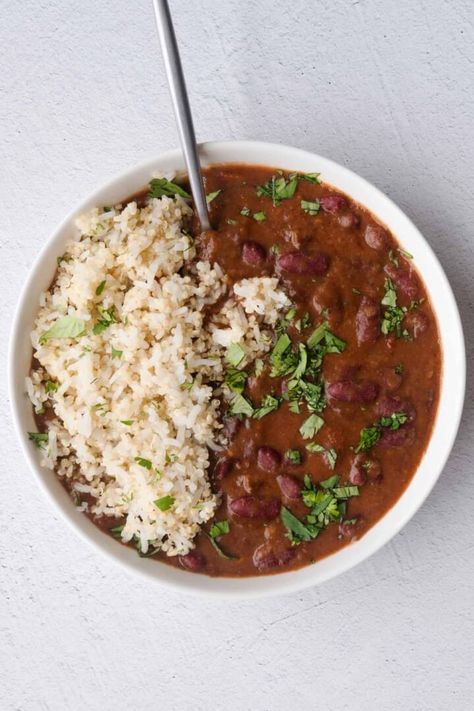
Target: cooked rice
pixel 170 353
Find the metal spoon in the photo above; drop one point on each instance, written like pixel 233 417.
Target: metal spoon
pixel 179 97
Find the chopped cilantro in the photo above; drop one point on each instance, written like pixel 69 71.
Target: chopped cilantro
pixel 64 327
pixel 369 436
pixel 315 447
pixel 107 319
pixel 39 438
pixel 259 365
pixel 50 386
pixel 407 255
pixel 278 188
pixel 127 422
pixel 310 207
pixel 297 530
pixel 100 288
pixel 330 483
pixel 160 187
pixel 393 257
pixel 241 406
pixel 235 354
pixel 245 211
pixel 259 216
pixel 331 457
pixel 390 297
pixel 230 221
pixel 235 379
pixel 219 528
pixel 274 249
pixel 399 369
pixel 143 462
pixel 212 196
pixel 311 426
pixel 116 353
pixel 165 503
pixel 269 404
pixel 356 291
pixel 293 456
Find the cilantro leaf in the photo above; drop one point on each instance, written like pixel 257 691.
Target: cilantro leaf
pixel 100 288
pixel 165 503
pixel 160 187
pixel 293 456
pixel 64 327
pixel 235 354
pixel 212 196
pixel 235 379
pixel 38 438
pixel 143 462
pixel 311 426
pixel 241 406
pixel 259 216
pixel 310 207
pixel 219 528
pixel 269 404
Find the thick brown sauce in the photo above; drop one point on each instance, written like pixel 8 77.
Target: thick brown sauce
pixel 355 271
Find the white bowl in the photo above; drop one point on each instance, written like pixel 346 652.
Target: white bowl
pixel 452 386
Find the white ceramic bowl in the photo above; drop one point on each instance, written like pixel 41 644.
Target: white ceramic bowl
pixel 452 387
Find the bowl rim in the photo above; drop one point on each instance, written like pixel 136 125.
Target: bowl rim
pixel 340 561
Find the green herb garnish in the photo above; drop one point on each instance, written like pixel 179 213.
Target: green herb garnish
pixel 212 196
pixel 259 216
pixel 160 187
pixel 116 353
pixel 143 462
pixel 64 327
pixel 165 503
pixel 369 436
pixel 241 406
pixel 50 386
pixel 245 211
pixel 235 354
pixel 311 426
pixel 310 207
pixel 269 404
pixel 107 319
pixel 293 456
pixel 100 288
pixel 219 528
pixel 39 438
pixel 235 379
pixel 127 422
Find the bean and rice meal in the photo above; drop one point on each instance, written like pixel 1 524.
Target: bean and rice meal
pixel 220 401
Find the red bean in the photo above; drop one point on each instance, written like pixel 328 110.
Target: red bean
pixel 299 263
pixel 417 323
pixel 223 467
pixel 368 320
pixel 253 253
pixel 333 203
pixel 290 486
pixel 347 530
pixel 349 221
pixel 268 458
pixel 396 438
pixel 363 392
pixel 357 472
pixel 265 557
pixel 254 507
pixel 192 561
pixel 406 282
pixel 376 237
pixel 389 404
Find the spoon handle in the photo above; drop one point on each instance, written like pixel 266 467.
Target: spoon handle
pixel 179 97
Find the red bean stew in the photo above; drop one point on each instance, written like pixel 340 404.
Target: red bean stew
pixel 328 429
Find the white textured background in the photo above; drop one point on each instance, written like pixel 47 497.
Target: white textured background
pixel 383 86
